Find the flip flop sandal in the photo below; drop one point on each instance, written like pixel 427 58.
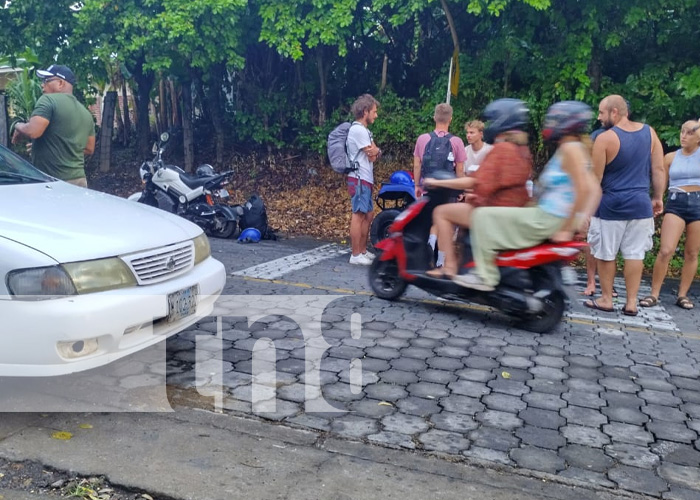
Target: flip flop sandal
pixel 649 301
pixel 592 294
pixel 593 304
pixel 684 303
pixel 627 312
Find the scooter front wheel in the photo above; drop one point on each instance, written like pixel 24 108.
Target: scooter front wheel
pixel 549 317
pixel 384 279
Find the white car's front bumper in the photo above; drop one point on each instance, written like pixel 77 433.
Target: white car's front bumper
pixel 34 335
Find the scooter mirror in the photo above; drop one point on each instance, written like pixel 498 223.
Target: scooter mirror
pixel 164 137
pixel 154 149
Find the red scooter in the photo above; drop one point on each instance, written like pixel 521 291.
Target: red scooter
pixel 531 287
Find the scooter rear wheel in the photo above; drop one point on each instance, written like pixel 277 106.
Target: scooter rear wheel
pixel 550 316
pixel 223 228
pixel 384 279
pixel 380 225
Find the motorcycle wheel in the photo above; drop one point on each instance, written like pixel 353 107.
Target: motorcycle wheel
pixel 222 227
pixel 380 225
pixel 384 279
pixel 549 317
pixel 148 200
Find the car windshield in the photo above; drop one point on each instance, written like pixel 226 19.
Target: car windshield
pixel 15 170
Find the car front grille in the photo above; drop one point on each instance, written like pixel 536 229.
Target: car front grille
pixel 161 264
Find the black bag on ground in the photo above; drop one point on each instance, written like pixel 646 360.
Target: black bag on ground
pixel 255 215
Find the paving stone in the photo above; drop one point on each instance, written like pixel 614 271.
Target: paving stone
pixel 646 371
pixel 666 413
pixel 486 351
pixel 587 436
pixel 434 334
pixel 542 418
pixel 385 353
pixel 444 442
pixel 418 406
pixel 371 408
pixel 680 475
pixel 595 478
pixel 375 365
pixel 677 453
pixel 454 422
pixel 547 386
pixel 577 384
pixel 352 426
pixel 675 493
pixel 583 361
pixel 615 360
pixel 449 364
pixel 392 440
pixel 519 350
pixel 452 351
pixel 311 421
pixel 692 409
pixel 544 401
pixel 427 390
pixel 424 343
pixel 487 455
pixel 499 419
pixel 469 388
pixel 625 415
pixel 515 362
pixel 586 458
pixel 408 364
pixel 655 384
pixel 578 349
pixel 385 392
pixel 400 333
pixel 619 385
pixel 530 457
pixel 579 372
pixel 540 437
pixel 583 416
pixel 550 350
pixel 458 342
pixel 632 455
pixel 493 439
pixel 404 424
pixel 442 377
pixel 491 341
pixel 628 433
pixel 399 377
pixel 671 431
pixel 585 399
pixel 617 372
pixel 505 386
pixel 476 375
pixel 622 399
pixel 461 404
pixel 416 353
pixel 392 343
pixel 639 480
pixel 341 392
pixel 549 373
pixel 550 361
pixel 504 402
pixel 682 370
pixel 480 363
pixel 688 396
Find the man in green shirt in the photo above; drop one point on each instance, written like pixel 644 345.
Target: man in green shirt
pixel 61 129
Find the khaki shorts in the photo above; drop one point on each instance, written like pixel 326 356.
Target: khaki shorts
pixel 633 238
pixel 80 181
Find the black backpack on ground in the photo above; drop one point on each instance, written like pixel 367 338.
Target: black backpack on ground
pixel 255 215
pixel 438 155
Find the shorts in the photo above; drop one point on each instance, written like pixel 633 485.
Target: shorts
pixel 633 238
pixel 684 205
pixel 360 195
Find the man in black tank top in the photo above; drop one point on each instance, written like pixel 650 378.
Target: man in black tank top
pixel 628 159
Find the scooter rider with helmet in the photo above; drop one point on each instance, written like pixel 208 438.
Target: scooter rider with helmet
pixel 500 180
pixel 568 194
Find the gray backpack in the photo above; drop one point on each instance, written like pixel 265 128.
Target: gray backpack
pixel 338 150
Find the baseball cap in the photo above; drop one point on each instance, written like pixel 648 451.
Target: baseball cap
pixel 62 72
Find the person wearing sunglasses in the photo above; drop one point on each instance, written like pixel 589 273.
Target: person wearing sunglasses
pixel 61 129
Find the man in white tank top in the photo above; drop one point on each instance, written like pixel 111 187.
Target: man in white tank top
pixel 477 148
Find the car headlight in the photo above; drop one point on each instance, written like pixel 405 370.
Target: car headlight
pixel 99 275
pixel 40 283
pixel 202 250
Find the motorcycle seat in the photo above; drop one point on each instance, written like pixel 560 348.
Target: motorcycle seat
pixel 195 182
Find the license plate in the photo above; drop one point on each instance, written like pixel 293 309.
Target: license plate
pixel 223 193
pixel 182 303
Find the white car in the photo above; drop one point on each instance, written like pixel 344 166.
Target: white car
pixel 87 278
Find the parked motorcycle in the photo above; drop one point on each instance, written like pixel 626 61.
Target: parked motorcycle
pixel 200 198
pixel 531 287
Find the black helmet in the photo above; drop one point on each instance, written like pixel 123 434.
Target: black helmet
pixel 205 170
pixel 502 115
pixel 564 118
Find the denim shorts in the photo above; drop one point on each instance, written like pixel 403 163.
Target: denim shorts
pixel 360 195
pixel 684 205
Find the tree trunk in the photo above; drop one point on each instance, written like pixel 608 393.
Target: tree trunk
pixel 163 112
pixel 126 112
pixel 322 76
pixel 106 130
pixel 4 140
pixel 451 24
pixel 216 110
pixel 144 83
pixel 385 68
pixel 174 99
pixel 187 132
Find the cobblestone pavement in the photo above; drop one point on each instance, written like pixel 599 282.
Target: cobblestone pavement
pixel 606 399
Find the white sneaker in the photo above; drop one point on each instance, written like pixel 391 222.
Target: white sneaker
pixel 360 260
pixel 472 281
pixel 369 255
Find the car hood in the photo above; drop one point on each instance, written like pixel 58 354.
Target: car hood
pixel 70 223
